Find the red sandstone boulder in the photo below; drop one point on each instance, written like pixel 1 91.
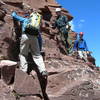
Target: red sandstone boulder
pixel 7 68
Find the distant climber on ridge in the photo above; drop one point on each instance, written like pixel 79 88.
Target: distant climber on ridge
pixel 81 47
pixel 61 23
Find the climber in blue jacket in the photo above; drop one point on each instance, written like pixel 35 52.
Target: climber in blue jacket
pixel 81 46
pixel 29 43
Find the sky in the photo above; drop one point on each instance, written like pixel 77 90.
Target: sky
pixel 86 15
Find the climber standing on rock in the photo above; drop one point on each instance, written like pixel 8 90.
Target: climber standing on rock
pixel 61 23
pixel 29 41
pixel 81 47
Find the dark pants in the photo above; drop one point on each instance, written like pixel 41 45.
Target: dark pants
pixel 40 41
pixel 64 37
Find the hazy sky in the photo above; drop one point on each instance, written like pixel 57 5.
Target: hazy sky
pixel 86 19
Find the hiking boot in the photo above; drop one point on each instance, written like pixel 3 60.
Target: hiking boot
pixel 44 74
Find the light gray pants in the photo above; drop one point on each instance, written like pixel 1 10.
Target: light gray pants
pixel 30 43
pixel 83 54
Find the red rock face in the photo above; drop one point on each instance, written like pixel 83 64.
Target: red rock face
pixel 69 78
pixel 45 7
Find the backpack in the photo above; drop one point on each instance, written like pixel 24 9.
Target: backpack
pixel 33 24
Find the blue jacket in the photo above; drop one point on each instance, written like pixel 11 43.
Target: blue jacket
pixel 80 45
pixel 23 20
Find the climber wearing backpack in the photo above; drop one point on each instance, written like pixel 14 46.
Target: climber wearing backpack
pixel 29 41
pixel 81 46
pixel 61 23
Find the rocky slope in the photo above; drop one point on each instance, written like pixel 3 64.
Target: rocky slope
pixel 69 78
